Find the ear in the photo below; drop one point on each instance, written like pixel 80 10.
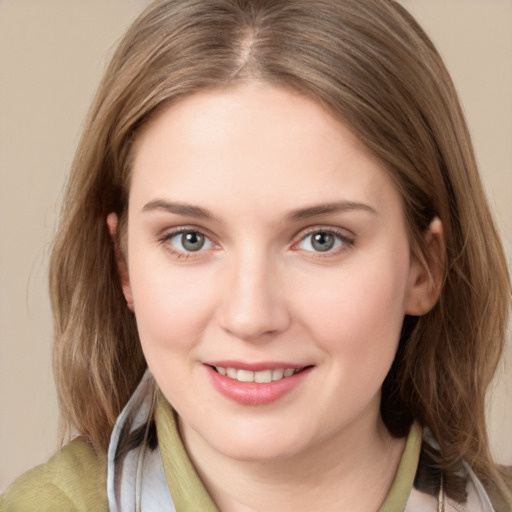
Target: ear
pixel 122 267
pixel 426 274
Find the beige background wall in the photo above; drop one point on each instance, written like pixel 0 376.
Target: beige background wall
pixel 52 53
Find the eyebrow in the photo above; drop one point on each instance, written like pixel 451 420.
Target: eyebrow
pixel 299 214
pixel 184 209
pixel 328 208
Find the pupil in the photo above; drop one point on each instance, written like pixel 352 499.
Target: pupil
pixel 193 241
pixel 322 242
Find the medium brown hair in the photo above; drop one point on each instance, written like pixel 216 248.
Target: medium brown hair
pixel 370 65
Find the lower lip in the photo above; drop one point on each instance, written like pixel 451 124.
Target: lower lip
pixel 252 393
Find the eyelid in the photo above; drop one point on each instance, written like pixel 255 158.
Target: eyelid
pixel 348 240
pixel 169 233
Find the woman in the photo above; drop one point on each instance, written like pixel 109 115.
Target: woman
pixel 275 208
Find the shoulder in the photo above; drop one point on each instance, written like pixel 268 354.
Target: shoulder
pixel 73 480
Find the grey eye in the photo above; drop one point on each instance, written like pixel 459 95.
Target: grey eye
pixel 190 241
pixel 322 242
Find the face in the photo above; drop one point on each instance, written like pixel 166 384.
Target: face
pixel 268 268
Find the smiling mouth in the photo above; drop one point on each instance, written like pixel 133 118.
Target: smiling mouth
pixel 259 377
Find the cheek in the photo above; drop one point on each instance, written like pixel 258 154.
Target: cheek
pixel 355 317
pixel 172 306
pixel 360 307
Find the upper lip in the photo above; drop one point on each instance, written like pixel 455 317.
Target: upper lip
pixel 256 366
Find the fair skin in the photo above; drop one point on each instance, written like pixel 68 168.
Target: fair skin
pixel 263 237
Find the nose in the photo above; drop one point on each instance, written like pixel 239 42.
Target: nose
pixel 253 306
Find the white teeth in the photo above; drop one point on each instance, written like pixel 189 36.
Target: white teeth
pixel 245 376
pixel 277 374
pixel 261 377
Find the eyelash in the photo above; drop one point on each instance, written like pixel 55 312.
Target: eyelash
pixel 346 242
pixel 183 254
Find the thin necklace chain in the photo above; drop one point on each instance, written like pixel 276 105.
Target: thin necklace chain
pixel 440 496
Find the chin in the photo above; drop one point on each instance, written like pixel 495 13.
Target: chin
pixel 259 446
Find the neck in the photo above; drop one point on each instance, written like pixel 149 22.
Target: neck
pixel 351 470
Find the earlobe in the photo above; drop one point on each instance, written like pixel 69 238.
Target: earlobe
pixel 122 268
pixel 427 271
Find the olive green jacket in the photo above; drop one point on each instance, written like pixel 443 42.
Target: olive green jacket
pixel 74 479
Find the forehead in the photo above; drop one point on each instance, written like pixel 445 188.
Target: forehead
pixel 261 143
